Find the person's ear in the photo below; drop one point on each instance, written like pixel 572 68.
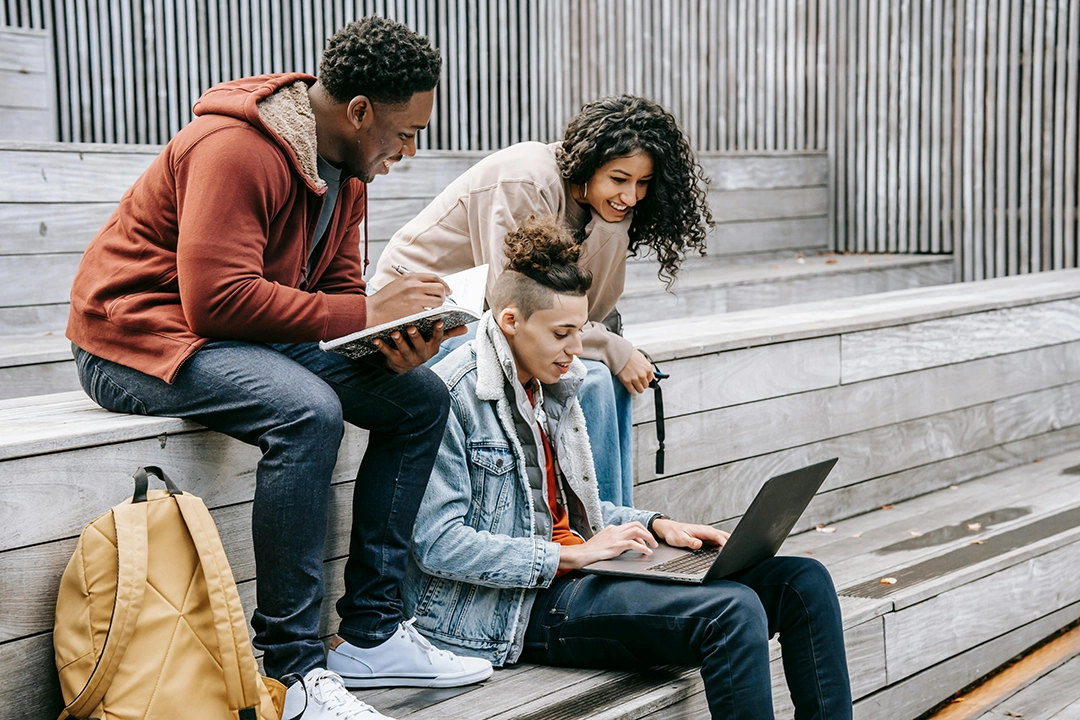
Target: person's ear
pixel 508 320
pixel 359 111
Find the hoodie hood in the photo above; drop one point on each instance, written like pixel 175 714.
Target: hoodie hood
pixel 277 105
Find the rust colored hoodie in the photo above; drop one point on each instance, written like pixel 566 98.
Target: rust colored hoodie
pixel 212 241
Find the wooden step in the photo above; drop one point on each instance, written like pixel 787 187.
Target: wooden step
pixel 40 364
pixel 717 287
pixel 914 390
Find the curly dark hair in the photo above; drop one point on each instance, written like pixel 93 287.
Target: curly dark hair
pixel 674 216
pixel 381 59
pixel 542 258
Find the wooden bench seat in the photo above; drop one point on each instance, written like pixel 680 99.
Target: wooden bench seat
pixel 770 206
pixel 718 286
pixel 915 391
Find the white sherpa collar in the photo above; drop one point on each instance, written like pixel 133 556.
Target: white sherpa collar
pixel 287 111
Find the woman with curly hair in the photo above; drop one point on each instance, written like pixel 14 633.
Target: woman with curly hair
pixel 624 181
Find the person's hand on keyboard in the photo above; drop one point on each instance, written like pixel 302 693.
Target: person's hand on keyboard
pixel 688 535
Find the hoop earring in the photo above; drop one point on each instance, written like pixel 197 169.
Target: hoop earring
pixel 585 192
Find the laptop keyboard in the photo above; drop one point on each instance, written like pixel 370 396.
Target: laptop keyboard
pixel 690 564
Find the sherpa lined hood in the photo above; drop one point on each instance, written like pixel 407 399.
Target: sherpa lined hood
pixel 214 240
pixel 279 106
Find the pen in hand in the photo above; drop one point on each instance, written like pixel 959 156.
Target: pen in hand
pixel 402 270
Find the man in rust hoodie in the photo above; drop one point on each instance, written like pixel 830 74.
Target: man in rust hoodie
pixel 204 297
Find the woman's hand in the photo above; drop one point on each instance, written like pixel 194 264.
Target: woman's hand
pixel 685 535
pixel 610 542
pixel 637 373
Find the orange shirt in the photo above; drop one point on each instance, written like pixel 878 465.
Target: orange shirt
pixel 560 525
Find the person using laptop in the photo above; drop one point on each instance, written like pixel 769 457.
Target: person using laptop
pixel 511 514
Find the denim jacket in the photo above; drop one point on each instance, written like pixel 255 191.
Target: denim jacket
pixel 477 560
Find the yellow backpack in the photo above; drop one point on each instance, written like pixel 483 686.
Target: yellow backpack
pixel 149 622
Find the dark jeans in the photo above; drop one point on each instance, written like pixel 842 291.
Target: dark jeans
pixel 292 400
pixel 723 627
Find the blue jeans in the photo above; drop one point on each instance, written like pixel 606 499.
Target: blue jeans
pixel 292 400
pixel 723 627
pixel 605 401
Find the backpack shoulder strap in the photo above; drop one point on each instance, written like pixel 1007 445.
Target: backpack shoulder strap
pixel 130 523
pixel 237 660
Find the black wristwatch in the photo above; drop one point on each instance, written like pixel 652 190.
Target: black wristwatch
pixel 654 518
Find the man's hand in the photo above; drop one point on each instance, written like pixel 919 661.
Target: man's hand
pixel 685 535
pixel 637 373
pixel 411 350
pixel 406 295
pixel 610 542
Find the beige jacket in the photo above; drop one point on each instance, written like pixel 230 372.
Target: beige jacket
pixel 465 226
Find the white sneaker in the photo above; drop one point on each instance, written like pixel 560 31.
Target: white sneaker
pixel 405 660
pixel 322 696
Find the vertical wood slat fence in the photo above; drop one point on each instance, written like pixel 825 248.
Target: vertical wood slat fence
pixel 951 125
pixel 953 128
pixel 739 75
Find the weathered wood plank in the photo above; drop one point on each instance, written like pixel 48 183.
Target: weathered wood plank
pixel 724 435
pixel 29 319
pixel 741 205
pixel 755 327
pixel 37 279
pixel 734 238
pixel 1043 699
pixel 920 692
pixel 894 350
pixel 930 453
pixel 43 176
pixel 24 50
pixel 740 376
pixel 37 379
pixel 32 689
pixel 37 228
pixel 51 498
pixel 759 171
pixel 29 123
pixel 947 624
pixel 856 283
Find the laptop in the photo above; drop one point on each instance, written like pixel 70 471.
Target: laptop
pixel 759 534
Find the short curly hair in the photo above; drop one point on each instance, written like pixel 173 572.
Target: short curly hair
pixel 674 216
pixel 541 261
pixel 380 59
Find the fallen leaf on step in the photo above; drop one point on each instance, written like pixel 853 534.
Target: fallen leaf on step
pixel 857 535
pixel 915 533
pixel 975 527
pixel 888 581
pixel 976 542
pixel 1013 713
pixel 954 487
pixel 886 507
pixel 831 261
pixel 825 529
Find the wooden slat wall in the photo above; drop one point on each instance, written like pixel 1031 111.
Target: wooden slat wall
pixel 952 126
pixel 744 74
pixel 955 130
pixel 27 82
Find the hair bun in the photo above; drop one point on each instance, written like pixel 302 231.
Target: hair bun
pixel 540 244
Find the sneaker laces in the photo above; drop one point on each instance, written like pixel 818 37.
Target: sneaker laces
pixel 430 650
pixel 330 692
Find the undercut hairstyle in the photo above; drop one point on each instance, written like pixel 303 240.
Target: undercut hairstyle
pixel 674 216
pixel 542 259
pixel 381 59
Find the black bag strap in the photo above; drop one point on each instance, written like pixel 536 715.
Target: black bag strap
pixel 142 482
pixel 658 408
